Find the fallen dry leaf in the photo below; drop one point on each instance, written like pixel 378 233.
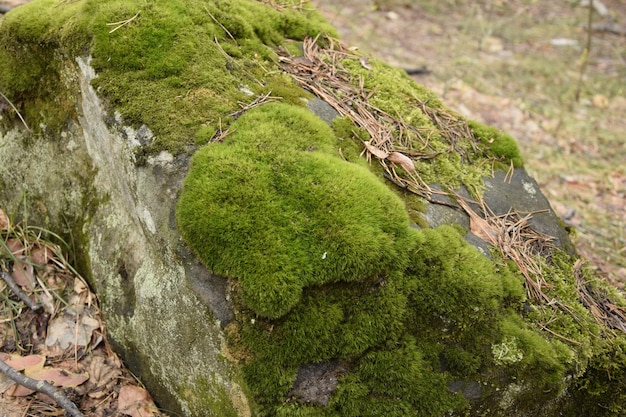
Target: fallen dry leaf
pixel 378 153
pixel 10 408
pixel 79 286
pixel 64 330
pixel 24 274
pixel 55 376
pixel 19 363
pixel 58 377
pixel 40 255
pixel 136 402
pixel 479 226
pixel 15 246
pixel 102 377
pixel 4 220
pixel 404 161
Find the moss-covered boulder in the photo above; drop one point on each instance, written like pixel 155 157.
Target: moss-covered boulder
pixel 276 225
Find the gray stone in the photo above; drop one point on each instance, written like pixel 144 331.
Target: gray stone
pixel 316 382
pixel 154 293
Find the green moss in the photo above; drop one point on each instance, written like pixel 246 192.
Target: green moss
pixel 207 400
pixel 309 217
pixel 282 86
pixel 457 287
pixel 531 357
pixel 204 135
pixel 601 391
pixel 317 246
pixel 166 68
pixel 500 144
pixel 395 381
pixel 329 270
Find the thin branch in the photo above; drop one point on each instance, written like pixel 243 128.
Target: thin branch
pixel 42 387
pixel 18 291
pixel 261 99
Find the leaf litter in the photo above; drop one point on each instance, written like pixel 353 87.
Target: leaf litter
pixel 63 343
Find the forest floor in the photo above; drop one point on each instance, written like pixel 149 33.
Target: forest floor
pixel 516 64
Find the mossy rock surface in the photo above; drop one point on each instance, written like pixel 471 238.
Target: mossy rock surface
pixel 275 207
pixel 325 261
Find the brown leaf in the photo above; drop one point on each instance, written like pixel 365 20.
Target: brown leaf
pixel 58 377
pixel 404 161
pixel 54 376
pixel 40 255
pixel 19 363
pixel 30 363
pixel 24 274
pixel 377 152
pixel 479 226
pixel 64 331
pixel 15 246
pixel 4 220
pixel 102 377
pixel 136 402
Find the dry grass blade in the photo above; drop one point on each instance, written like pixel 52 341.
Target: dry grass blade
pixel 122 23
pixel 320 71
pixel 262 99
pixel 601 308
pixel 516 240
pixel 15 110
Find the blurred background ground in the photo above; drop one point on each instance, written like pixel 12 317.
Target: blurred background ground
pixel 515 64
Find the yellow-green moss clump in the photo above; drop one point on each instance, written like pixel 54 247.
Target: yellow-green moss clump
pixel 177 66
pixel 261 207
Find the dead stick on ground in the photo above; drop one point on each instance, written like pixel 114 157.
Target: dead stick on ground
pixel 18 291
pixel 41 386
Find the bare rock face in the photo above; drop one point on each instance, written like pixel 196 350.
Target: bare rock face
pixel 121 219
pixel 249 260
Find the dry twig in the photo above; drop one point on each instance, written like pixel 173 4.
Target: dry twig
pixel 122 23
pixel 261 99
pixel 41 386
pixel 18 291
pixel 600 307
